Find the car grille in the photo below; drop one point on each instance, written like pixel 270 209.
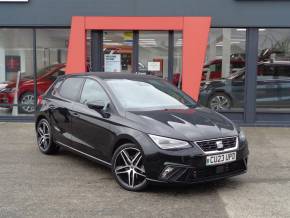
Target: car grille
pixel 211 145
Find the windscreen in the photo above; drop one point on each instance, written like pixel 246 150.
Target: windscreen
pixel 149 94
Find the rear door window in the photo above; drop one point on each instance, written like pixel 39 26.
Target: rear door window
pixel 70 88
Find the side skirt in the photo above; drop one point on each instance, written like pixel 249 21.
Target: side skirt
pixel 105 163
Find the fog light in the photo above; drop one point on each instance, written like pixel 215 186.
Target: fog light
pixel 167 171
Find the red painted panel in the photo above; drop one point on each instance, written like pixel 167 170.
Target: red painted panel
pixel 134 23
pixel 76 59
pixel 195 36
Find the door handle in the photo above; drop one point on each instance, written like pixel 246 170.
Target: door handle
pixel 75 114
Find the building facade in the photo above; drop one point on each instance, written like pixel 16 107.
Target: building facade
pixel 246 74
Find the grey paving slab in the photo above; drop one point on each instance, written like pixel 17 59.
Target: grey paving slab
pixel 66 185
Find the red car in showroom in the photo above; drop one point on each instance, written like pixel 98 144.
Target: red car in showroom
pixel 25 95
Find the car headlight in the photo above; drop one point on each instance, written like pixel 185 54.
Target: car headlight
pixel 8 90
pixel 242 136
pixel 169 143
pixel 3 86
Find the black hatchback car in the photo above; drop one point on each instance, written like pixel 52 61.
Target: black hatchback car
pixel 142 127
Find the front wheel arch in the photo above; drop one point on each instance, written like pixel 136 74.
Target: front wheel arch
pixel 124 139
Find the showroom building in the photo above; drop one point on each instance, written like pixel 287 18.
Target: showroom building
pixel 246 72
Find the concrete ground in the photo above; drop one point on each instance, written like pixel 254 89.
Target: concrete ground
pixel 66 185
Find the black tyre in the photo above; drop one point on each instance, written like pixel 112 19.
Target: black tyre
pixel 26 102
pixel 128 167
pixel 220 101
pixel 44 138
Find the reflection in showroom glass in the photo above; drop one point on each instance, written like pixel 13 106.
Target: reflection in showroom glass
pixel 220 89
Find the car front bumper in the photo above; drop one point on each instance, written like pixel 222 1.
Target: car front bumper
pixel 188 166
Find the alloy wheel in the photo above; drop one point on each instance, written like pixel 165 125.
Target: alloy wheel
pixel 220 102
pixel 129 168
pixel 27 103
pixel 43 135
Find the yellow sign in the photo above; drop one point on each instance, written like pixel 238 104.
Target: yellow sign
pixel 128 36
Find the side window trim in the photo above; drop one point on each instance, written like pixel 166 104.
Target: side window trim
pixel 55 90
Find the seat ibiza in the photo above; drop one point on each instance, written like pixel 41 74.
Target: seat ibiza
pixel 142 127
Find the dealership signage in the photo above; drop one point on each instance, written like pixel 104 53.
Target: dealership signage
pixel 113 63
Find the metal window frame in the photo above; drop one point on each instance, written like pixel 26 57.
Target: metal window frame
pixel 170 55
pixel 135 65
pixel 251 75
pixel 97 50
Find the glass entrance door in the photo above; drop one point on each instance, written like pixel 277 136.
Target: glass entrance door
pixel 153 53
pixel 117 51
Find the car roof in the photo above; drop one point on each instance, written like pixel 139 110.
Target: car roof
pixel 114 75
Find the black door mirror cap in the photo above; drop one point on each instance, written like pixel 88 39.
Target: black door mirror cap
pixel 95 106
pixel 101 107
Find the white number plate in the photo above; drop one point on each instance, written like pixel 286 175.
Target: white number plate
pixel 220 158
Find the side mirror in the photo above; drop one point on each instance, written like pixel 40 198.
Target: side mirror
pixel 101 107
pixel 96 105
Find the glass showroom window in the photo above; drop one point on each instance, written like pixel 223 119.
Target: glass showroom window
pixel 223 74
pixel 153 53
pixel 16 55
pixel 51 50
pixel 117 50
pixel 273 76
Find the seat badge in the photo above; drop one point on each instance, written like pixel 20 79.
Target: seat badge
pixel 219 144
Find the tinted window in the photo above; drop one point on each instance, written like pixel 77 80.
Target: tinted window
pixel 267 71
pixel 70 88
pixel 283 71
pixel 274 71
pixel 93 92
